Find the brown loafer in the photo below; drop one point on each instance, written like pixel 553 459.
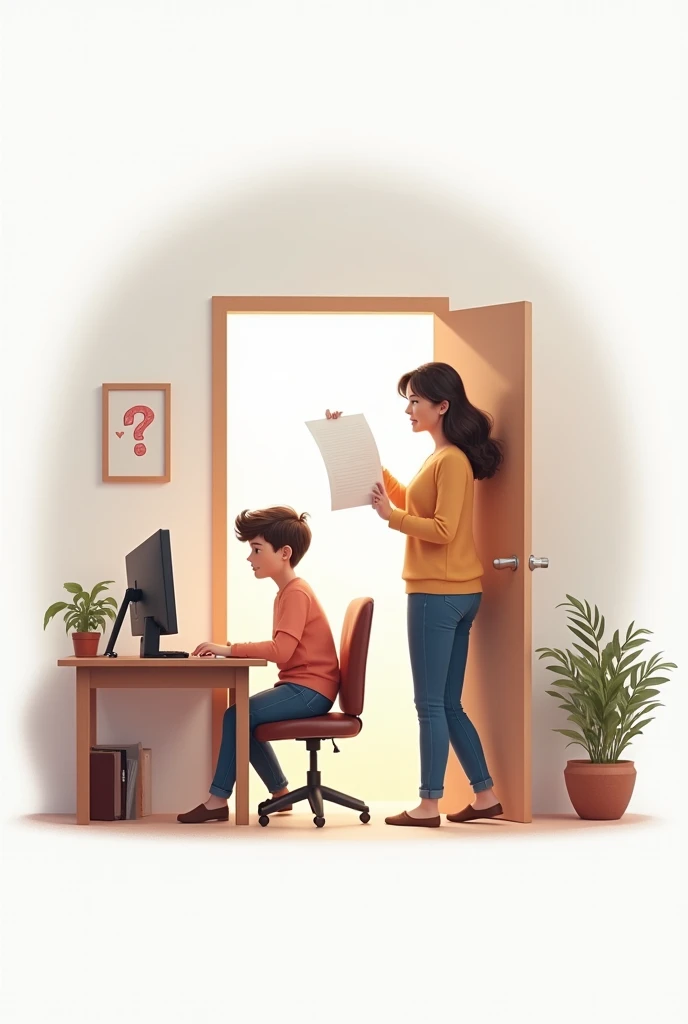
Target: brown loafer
pixel 471 814
pixel 201 813
pixel 406 819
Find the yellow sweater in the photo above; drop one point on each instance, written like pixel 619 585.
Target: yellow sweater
pixel 435 512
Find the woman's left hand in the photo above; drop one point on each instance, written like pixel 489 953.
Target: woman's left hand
pixel 381 502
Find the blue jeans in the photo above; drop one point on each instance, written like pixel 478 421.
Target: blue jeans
pixel 438 628
pixel 288 700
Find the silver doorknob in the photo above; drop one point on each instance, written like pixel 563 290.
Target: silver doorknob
pixel 506 563
pixel 538 563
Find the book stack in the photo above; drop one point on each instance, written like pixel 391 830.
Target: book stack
pixel 120 781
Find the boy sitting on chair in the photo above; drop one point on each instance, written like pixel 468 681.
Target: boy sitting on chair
pixel 302 645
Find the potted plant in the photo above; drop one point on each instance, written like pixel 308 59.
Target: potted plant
pixel 608 695
pixel 84 616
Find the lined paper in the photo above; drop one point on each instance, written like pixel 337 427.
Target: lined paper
pixel 351 459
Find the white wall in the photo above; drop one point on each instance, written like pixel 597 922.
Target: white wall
pixel 131 198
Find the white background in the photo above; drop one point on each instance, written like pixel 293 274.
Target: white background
pixel 157 154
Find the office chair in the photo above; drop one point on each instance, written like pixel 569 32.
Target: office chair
pixel 353 655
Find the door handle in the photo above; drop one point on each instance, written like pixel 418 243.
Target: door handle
pixel 506 563
pixel 513 563
pixel 538 563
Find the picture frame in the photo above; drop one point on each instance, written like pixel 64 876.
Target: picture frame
pixel 136 433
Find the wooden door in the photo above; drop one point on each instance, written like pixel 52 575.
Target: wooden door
pixel 490 346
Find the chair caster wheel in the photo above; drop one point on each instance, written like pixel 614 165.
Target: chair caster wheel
pixel 365 817
pixel 263 820
pixel 319 821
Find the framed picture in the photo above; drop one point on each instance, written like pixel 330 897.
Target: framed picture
pixel 136 433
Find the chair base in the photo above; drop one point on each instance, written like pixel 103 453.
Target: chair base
pixel 315 793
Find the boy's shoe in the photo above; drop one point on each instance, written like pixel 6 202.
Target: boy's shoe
pixel 471 814
pixel 201 813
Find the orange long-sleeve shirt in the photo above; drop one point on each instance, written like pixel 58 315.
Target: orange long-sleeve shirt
pixel 302 644
pixel 435 512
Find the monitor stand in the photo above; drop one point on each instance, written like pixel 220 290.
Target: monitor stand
pixel 130 594
pixel 150 641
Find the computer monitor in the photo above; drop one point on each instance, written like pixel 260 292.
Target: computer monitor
pixel 149 596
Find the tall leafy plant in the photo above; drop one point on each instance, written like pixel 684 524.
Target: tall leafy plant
pixel 85 614
pixel 606 691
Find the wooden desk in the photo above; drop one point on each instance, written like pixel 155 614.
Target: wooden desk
pixel 227 675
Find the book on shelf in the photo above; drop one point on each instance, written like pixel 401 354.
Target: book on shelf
pixel 146 775
pixel 130 758
pixel 105 785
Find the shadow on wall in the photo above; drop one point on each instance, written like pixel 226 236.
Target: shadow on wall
pixel 321 232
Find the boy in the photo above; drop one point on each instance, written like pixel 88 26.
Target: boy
pixel 302 647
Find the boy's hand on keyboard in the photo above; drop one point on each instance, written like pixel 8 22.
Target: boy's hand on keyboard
pixel 209 650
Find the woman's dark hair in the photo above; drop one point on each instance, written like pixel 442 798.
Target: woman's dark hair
pixel 279 526
pixel 464 425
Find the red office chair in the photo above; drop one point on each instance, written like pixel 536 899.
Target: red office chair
pixel 353 654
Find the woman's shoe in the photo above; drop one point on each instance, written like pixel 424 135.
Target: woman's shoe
pixel 201 813
pixel 406 819
pixel 471 814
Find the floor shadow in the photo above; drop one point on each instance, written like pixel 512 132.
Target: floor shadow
pixel 290 828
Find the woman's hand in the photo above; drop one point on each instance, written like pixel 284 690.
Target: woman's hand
pixel 332 415
pixel 208 650
pixel 381 502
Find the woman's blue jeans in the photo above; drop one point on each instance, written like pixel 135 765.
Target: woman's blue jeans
pixel 288 700
pixel 438 628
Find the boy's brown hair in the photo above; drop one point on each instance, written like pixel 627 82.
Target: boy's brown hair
pixel 279 525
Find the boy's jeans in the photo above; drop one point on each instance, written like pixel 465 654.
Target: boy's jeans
pixel 438 628
pixel 288 700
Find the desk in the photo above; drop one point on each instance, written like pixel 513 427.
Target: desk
pixel 229 675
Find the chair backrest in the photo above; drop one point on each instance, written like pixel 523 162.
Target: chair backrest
pixel 353 654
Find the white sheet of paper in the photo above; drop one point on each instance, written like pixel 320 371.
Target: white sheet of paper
pixel 351 459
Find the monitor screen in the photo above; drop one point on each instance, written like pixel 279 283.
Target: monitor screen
pixel 149 569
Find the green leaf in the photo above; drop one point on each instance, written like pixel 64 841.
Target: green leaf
pixel 53 610
pixel 634 643
pixel 582 623
pixel 586 640
pixel 600 631
pixel 628 660
pixel 576 604
pixel 572 735
pixel 100 587
pixel 74 588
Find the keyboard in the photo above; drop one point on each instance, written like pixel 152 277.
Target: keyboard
pixel 173 654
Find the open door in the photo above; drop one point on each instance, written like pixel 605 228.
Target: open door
pixel 490 346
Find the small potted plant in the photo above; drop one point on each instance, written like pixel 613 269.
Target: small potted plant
pixel 608 695
pixel 84 616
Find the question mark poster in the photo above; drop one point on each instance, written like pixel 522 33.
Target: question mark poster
pixel 136 433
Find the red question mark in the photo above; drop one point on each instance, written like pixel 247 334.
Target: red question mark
pixel 148 417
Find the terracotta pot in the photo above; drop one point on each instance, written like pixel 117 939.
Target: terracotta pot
pixel 600 792
pixel 86 644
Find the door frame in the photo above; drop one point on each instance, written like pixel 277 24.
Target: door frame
pixel 221 307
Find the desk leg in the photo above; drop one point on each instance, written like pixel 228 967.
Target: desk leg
pixel 220 703
pixel 242 746
pixel 85 711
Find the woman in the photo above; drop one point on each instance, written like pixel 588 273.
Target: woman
pixel 442 573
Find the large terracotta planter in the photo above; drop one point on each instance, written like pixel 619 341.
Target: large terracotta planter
pixel 85 644
pixel 600 792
